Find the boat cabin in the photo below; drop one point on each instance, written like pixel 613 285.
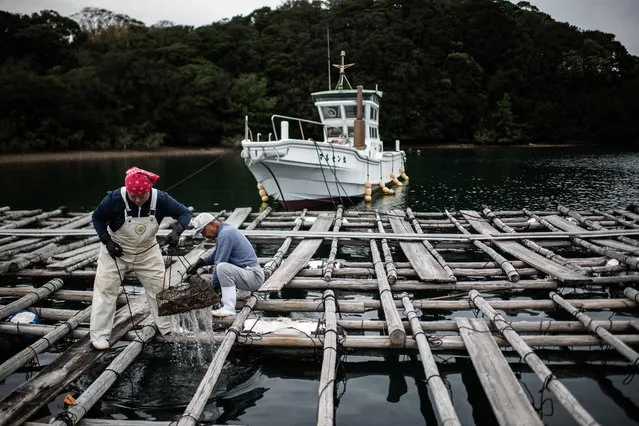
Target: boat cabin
pixel 338 111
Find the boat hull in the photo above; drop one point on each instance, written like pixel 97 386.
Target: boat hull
pixel 295 171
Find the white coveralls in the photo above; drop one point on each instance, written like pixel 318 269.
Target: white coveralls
pixel 142 256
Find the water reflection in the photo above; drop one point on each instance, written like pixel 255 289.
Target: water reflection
pixel 163 380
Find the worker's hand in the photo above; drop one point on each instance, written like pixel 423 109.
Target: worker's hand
pixel 193 268
pixel 173 239
pixel 114 249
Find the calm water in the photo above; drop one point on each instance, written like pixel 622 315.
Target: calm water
pixel 535 178
pixel 375 390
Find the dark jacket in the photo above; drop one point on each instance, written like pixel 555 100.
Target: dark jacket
pixel 110 211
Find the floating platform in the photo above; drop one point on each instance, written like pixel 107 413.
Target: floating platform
pixel 489 285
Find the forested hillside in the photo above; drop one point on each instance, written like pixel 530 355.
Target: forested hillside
pixel 471 71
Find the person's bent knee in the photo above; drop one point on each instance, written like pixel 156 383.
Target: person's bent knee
pixel 225 273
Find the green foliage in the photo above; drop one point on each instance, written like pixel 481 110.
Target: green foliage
pixel 483 71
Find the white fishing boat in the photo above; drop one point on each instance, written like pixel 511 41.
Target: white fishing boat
pixel 342 164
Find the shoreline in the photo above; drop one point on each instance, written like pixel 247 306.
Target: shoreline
pixel 35 157
pixel 104 155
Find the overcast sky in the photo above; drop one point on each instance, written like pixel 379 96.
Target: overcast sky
pixel 620 17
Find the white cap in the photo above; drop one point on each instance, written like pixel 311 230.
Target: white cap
pixel 200 221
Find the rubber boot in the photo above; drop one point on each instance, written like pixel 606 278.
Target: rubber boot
pixel 228 303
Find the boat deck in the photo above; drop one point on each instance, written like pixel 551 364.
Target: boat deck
pixel 509 291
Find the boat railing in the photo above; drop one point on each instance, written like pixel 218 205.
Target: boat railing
pixel 284 119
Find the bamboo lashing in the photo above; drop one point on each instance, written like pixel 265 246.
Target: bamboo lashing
pixel 276 261
pixel 549 254
pixel 396 331
pixel 330 263
pixel 509 269
pixel 101 385
pixel 27 354
pixel 608 337
pixel 443 404
pixel 31 298
pixel 326 406
pixel 528 355
pixel 391 272
pixel 194 410
pixel 429 246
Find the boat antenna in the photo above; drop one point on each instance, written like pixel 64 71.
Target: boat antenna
pixel 342 74
pixel 328 52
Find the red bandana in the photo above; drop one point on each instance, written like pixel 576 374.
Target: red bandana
pixel 139 182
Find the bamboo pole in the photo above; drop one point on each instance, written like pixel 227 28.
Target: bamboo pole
pixel 430 247
pixel 330 263
pixel 369 305
pixel 632 261
pixel 102 384
pixel 594 225
pixel 259 218
pixel 27 354
pixel 37 218
pixel 31 298
pixel 443 404
pixel 277 235
pixel 395 330
pixel 75 259
pixel 548 254
pixel 608 337
pixel 509 269
pixel 391 273
pixel 325 407
pixel 632 294
pixel 85 262
pixel 20 213
pixel 528 355
pixel 363 284
pixel 350 342
pixel 632 216
pixel 618 220
pixel 42 254
pixel 540 327
pixel 194 410
pixel 73 295
pixel 276 261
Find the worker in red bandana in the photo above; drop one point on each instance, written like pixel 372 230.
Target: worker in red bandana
pixel 127 221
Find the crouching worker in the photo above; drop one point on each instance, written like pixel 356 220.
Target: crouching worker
pixel 127 222
pixel 234 259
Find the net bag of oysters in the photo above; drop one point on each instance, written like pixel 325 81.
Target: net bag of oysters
pixel 193 293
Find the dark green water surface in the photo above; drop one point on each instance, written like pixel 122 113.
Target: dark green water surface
pixel 514 178
pixel 373 389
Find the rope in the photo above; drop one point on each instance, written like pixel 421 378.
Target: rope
pixel 196 172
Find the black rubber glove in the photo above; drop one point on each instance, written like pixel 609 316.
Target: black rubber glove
pixel 173 239
pixel 114 249
pixel 193 268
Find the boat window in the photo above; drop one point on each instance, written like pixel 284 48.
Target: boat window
pixel 331 112
pixel 351 131
pixel 334 132
pixel 351 111
pixel 372 131
pixel 373 113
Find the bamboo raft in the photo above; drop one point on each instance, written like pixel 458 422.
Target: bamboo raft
pixel 375 282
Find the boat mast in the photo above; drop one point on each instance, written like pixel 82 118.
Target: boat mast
pixel 342 74
pixel 328 55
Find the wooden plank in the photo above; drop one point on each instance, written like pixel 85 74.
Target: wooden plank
pixel 508 400
pixel 238 216
pixel 29 397
pixel 565 225
pixel 298 258
pixel 425 265
pixel 514 248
